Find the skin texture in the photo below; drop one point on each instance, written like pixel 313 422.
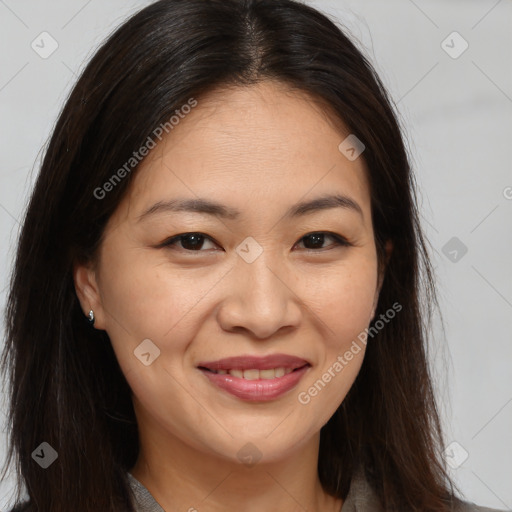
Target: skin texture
pixel 258 149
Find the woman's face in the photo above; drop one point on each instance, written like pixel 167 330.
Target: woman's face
pixel 266 277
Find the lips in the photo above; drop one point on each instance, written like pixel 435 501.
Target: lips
pixel 255 378
pixel 247 362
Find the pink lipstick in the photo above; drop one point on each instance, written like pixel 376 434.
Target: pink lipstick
pixel 256 378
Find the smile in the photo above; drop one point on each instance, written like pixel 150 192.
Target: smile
pixel 254 384
pixel 255 374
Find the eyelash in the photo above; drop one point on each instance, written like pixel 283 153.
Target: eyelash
pixel 339 241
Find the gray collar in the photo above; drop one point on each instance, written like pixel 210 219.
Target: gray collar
pixel 144 501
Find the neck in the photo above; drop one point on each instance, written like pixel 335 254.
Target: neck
pixel 181 477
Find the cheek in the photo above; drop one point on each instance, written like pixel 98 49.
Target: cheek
pixel 147 300
pixel 343 300
pixel 343 304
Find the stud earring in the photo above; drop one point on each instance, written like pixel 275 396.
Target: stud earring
pixel 91 317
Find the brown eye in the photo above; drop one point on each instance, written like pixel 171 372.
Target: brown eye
pixel 316 240
pixel 188 241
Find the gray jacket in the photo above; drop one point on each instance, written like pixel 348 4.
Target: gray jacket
pixel 361 498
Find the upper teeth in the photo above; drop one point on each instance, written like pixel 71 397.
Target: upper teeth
pixel 256 374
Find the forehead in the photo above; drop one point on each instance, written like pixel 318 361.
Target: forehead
pixel 251 147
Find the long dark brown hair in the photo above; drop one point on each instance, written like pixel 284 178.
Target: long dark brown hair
pixel 65 385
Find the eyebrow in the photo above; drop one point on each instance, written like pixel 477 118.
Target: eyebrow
pixel 206 206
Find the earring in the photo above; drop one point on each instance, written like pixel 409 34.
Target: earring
pixel 91 317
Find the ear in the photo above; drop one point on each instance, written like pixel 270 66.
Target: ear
pixel 87 291
pixel 388 248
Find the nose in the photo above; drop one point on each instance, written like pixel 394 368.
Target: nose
pixel 259 299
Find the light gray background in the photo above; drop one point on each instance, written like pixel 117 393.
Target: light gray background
pixel 457 115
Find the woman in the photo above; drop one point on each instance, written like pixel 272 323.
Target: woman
pixel 221 265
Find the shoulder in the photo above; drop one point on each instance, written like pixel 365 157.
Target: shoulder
pixel 362 498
